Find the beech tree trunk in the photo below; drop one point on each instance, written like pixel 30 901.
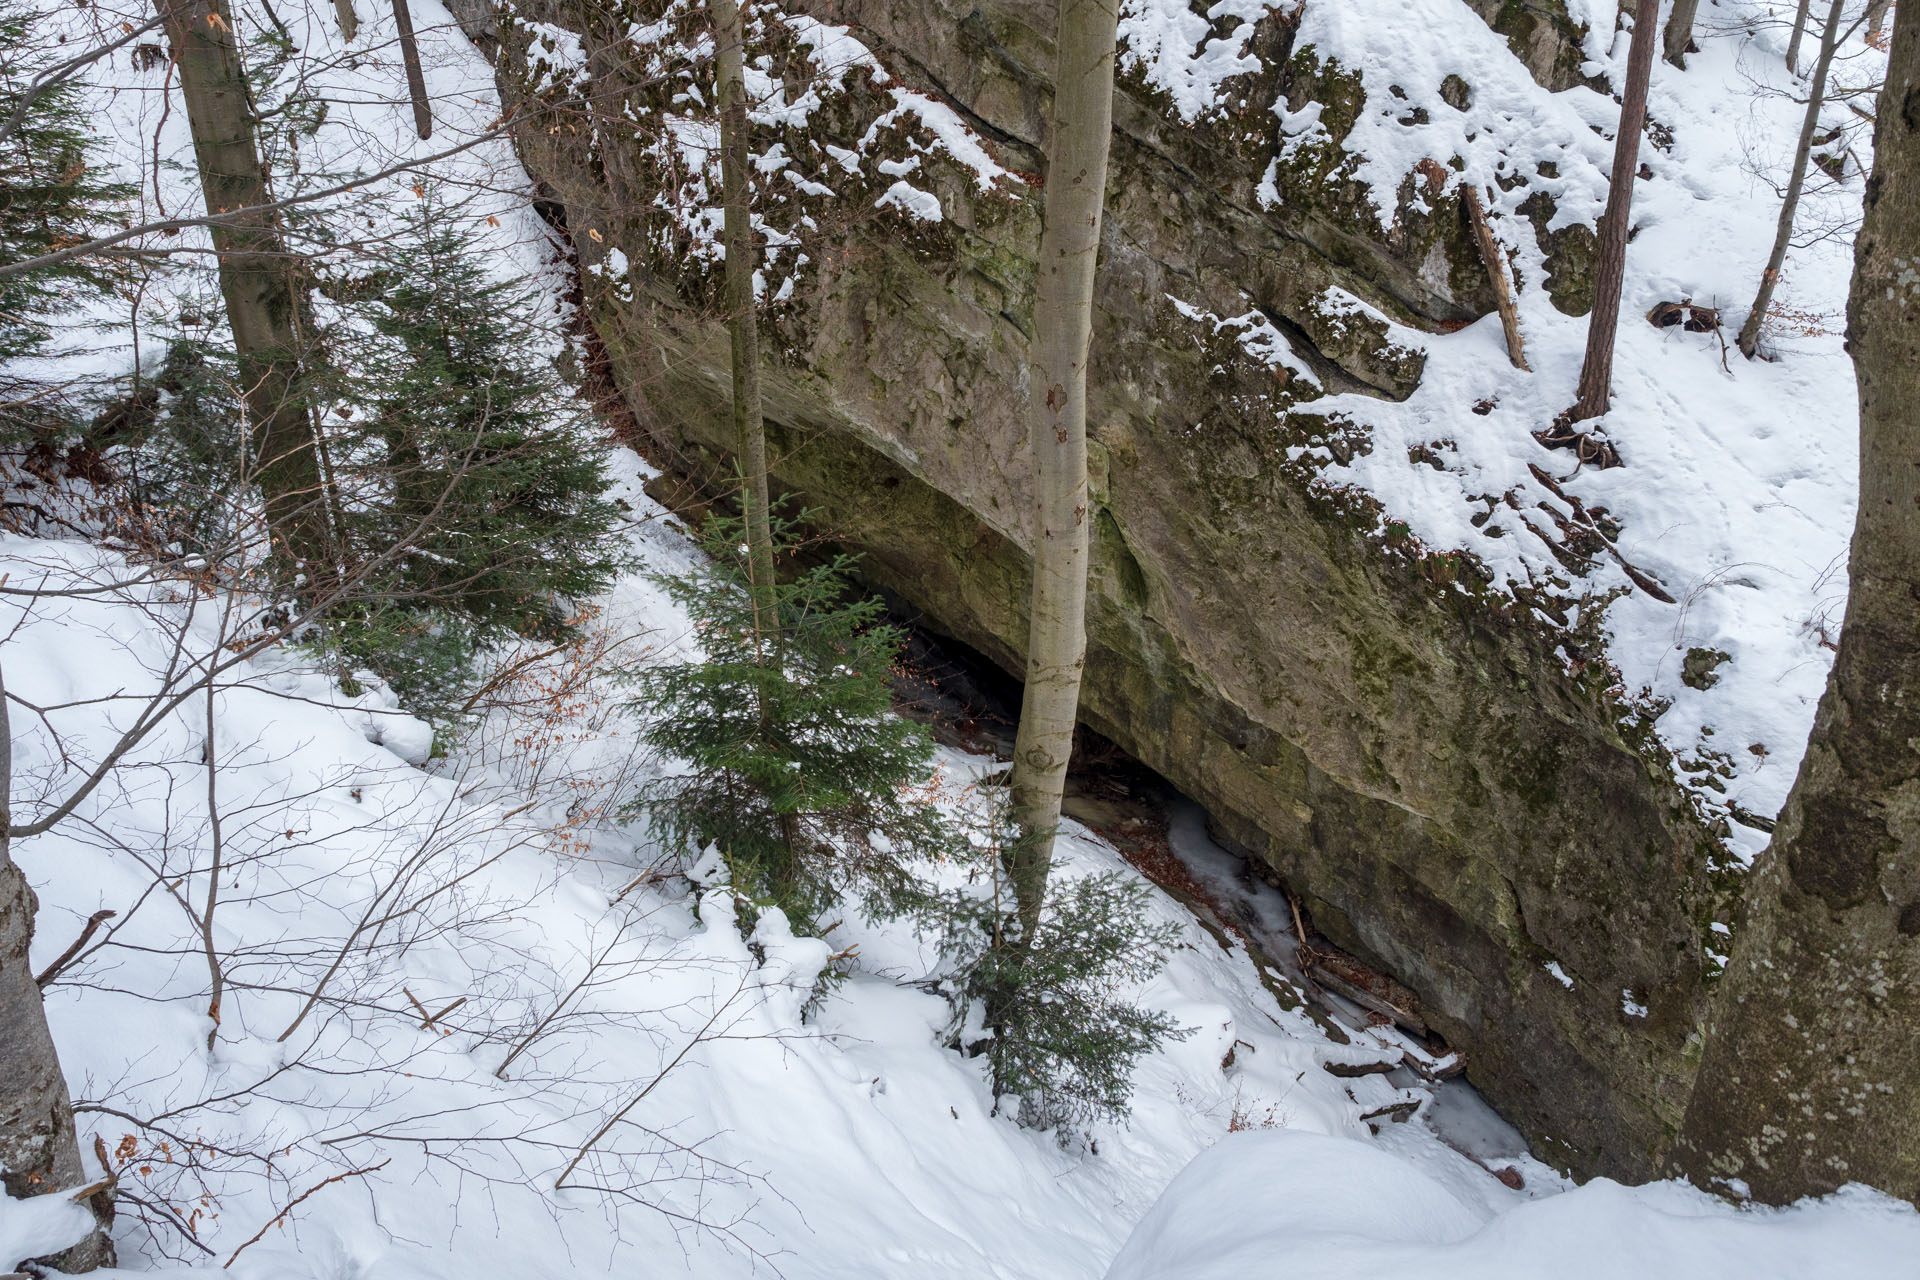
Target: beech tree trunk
pixel 1680 30
pixel 258 280
pixel 1799 31
pixel 749 426
pixel 1810 1071
pixel 1796 182
pixel 1057 425
pixel 1595 393
pixel 39 1150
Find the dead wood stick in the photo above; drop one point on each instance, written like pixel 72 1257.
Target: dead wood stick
pixel 1496 265
pixel 428 1024
pixel 428 1019
pixel 53 970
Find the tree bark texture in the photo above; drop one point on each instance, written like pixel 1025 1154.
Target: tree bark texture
pixel 749 426
pixel 1799 33
pixel 1796 182
pixel 416 80
pixel 38 1147
pixel 259 278
pixel 1810 1071
pixel 1679 32
pixel 1496 264
pixel 1082 129
pixel 1595 394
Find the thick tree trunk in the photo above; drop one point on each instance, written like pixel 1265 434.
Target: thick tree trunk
pixel 1680 30
pixel 1796 182
pixel 1595 394
pixel 258 279
pixel 1877 22
pixel 1810 1073
pixel 1057 424
pixel 39 1150
pixel 749 426
pixel 1799 32
pixel 1496 264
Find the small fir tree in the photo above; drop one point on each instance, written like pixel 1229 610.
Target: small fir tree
pixel 177 440
pixel 797 768
pixel 55 191
pixel 470 486
pixel 1046 1015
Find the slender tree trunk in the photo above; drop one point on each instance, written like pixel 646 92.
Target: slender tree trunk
pixel 1799 31
pixel 1496 264
pixel 258 279
pixel 1057 424
pixel 349 20
pixel 1810 1073
pixel 416 81
pixel 1783 233
pixel 39 1150
pixel 1877 22
pixel 749 427
pixel 1680 30
pixel 1596 372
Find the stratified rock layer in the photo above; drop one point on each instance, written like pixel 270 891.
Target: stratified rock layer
pixel 1412 754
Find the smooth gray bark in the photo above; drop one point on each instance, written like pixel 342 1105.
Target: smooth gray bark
pixel 1810 1071
pixel 258 280
pixel 1799 33
pixel 1680 30
pixel 1796 183
pixel 39 1149
pixel 1082 129
pixel 1595 393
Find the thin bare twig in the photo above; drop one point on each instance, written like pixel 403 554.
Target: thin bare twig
pixel 295 1203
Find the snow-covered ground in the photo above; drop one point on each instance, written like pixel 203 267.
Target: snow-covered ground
pixel 849 1142
pixel 845 1142
pixel 704 1119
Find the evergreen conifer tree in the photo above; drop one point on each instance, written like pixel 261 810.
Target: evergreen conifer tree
pixel 798 769
pixel 471 488
pixel 1046 1012
pixel 55 190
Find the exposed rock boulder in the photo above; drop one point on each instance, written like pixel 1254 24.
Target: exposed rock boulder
pixel 1412 753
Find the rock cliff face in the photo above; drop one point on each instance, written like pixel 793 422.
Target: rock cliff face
pixel 1406 749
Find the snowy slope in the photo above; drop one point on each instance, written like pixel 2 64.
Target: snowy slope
pixel 847 1142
